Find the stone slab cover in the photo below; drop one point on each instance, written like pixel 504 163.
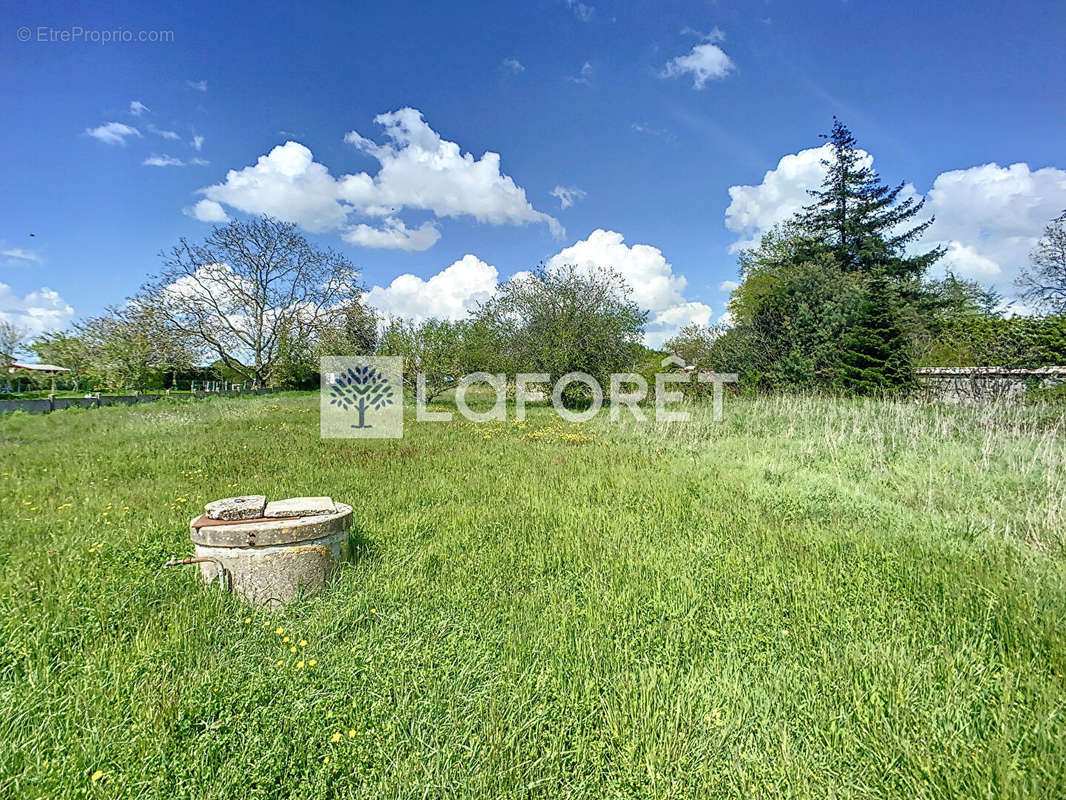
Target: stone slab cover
pixel 246 507
pixel 300 507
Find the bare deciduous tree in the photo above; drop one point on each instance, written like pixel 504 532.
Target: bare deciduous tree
pixel 249 287
pixel 1044 284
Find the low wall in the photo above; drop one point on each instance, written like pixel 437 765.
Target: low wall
pixel 46 404
pixel 965 385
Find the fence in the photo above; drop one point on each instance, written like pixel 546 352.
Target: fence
pixel 46 404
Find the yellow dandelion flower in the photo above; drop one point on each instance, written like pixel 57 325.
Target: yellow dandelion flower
pixel 299 665
pixel 278 663
pixel 303 643
pixel 97 775
pixel 292 649
pixel 335 737
pixel 247 620
pixel 325 760
pixel 279 631
pixel 286 640
pixel 351 733
pixel 312 662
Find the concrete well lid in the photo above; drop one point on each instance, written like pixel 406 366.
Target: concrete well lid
pixel 267 531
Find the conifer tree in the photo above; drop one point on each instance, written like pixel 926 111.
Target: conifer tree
pixel 876 351
pixel 862 220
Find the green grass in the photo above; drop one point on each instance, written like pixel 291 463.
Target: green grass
pixel 812 598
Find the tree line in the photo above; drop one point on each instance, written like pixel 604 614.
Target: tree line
pixel 838 298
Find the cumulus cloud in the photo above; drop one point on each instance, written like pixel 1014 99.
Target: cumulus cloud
pixel 200 86
pixel 567 195
pixel 208 211
pixel 513 65
pixel 287 183
pixel 137 108
pixel 728 286
pixel 753 210
pixel 655 285
pixel 988 217
pixel 418 170
pixel 197 143
pixel 112 132
pixel 705 62
pixel 36 312
pixel 452 293
pixel 393 235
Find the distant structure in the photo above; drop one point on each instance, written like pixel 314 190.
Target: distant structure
pixel 967 385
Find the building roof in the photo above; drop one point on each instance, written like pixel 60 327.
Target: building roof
pixel 37 368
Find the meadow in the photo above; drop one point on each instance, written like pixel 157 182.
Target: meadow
pixel 811 598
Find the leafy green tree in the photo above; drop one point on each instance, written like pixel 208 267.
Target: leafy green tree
pixel 441 349
pixel 350 330
pixel 134 346
pixel 693 344
pixel 566 320
pixel 64 349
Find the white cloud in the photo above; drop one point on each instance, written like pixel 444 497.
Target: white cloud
pixel 197 143
pixel 162 161
pixel 171 135
pixel 112 132
pixel 988 217
pixel 452 293
pixel 753 210
pixel 208 211
pixel 137 108
pixel 288 184
pixel 706 61
pixel 39 311
pixel 418 170
pixel 394 235
pixel 19 254
pixel 651 277
pixel 567 195
pixel 200 86
pixel 728 286
pixel 514 65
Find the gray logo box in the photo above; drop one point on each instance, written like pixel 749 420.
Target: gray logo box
pixel 361 397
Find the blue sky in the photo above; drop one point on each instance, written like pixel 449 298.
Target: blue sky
pixel 686 129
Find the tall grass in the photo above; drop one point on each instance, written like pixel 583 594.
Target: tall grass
pixel 811 598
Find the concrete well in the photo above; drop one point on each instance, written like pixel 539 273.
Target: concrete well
pixel 268 561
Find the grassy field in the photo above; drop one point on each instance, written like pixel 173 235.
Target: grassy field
pixel 812 598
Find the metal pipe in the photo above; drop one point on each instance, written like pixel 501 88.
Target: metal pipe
pixel 224 578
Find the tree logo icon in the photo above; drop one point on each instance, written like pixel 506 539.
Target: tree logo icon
pixel 363 389
pixel 362 397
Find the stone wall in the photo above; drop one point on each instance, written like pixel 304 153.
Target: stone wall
pixel 967 385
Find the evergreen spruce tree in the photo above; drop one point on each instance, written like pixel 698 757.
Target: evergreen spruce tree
pixel 861 220
pixel 876 350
